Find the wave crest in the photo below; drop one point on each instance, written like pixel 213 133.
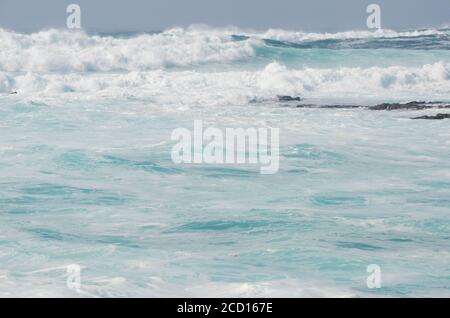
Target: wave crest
pixel 55 62
pixel 62 51
pixel 298 36
pixel 431 81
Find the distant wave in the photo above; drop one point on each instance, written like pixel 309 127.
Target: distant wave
pixel 298 36
pixel 62 51
pixel 222 66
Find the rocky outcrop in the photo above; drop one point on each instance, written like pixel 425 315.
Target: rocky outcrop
pixel 289 99
pixel 407 106
pixel 434 117
pixel 328 106
pixel 397 106
pixel 385 106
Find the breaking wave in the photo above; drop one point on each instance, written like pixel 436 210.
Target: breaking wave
pixel 432 80
pixel 204 65
pixel 65 51
pixel 62 51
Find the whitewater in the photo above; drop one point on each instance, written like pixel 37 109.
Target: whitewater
pixel 86 175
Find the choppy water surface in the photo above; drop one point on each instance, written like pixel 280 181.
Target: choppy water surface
pixel 86 175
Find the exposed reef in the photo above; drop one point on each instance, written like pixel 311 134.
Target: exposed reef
pixel 434 117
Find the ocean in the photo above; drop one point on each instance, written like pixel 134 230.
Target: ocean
pixel 87 178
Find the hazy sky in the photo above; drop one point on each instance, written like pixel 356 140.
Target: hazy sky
pixel 152 15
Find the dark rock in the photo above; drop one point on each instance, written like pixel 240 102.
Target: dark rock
pixel 13 93
pixel 397 106
pixel 408 106
pixel 288 99
pixel 254 101
pixel 306 106
pixel 414 105
pixel 436 117
pixel 328 106
pixel 340 106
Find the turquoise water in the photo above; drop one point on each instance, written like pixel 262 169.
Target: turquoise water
pixel 87 177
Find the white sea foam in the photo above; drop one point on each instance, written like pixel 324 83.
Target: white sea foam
pixel 83 182
pixel 283 288
pixel 54 62
pixel 65 51
pixel 298 36
pixel 431 81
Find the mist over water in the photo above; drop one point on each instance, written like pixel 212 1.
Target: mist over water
pixel 87 177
